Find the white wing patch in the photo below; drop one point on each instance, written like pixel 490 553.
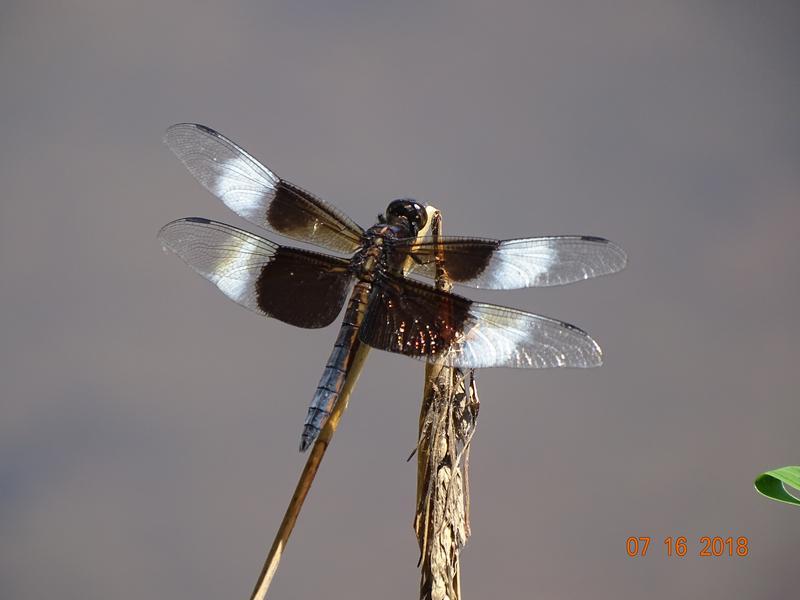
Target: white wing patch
pixel 245 189
pixel 519 266
pixel 509 338
pixel 233 275
pixel 230 258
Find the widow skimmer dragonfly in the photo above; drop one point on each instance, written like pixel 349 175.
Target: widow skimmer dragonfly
pixel 386 310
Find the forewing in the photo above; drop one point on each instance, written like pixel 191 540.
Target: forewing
pixel 257 194
pixel 417 320
pixel 296 286
pixel 512 264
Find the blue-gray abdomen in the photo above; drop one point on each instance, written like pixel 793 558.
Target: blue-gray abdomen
pixel 337 368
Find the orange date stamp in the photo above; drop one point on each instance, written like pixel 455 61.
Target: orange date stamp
pixel 678 546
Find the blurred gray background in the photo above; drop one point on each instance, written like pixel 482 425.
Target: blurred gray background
pixel 149 426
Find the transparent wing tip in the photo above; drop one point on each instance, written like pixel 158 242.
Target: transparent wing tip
pixel 621 257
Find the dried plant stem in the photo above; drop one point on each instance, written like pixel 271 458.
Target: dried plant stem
pixel 446 425
pixel 307 478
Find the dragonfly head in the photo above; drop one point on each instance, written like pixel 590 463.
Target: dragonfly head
pixel 408 213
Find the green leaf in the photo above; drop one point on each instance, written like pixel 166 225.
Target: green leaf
pixel 773 484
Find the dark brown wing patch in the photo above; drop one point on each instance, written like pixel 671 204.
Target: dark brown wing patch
pixel 302 288
pixel 413 319
pixel 300 215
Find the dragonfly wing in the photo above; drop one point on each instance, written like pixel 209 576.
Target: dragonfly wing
pixel 417 320
pixel 299 287
pixel 257 194
pixel 512 264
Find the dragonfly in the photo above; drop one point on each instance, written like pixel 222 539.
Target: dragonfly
pixel 387 309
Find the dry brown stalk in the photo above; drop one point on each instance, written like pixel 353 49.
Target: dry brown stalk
pixel 307 478
pixel 446 425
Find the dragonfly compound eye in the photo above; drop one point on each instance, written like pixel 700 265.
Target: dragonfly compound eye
pixel 411 210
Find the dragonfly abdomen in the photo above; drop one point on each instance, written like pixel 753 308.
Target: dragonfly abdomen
pixel 337 369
